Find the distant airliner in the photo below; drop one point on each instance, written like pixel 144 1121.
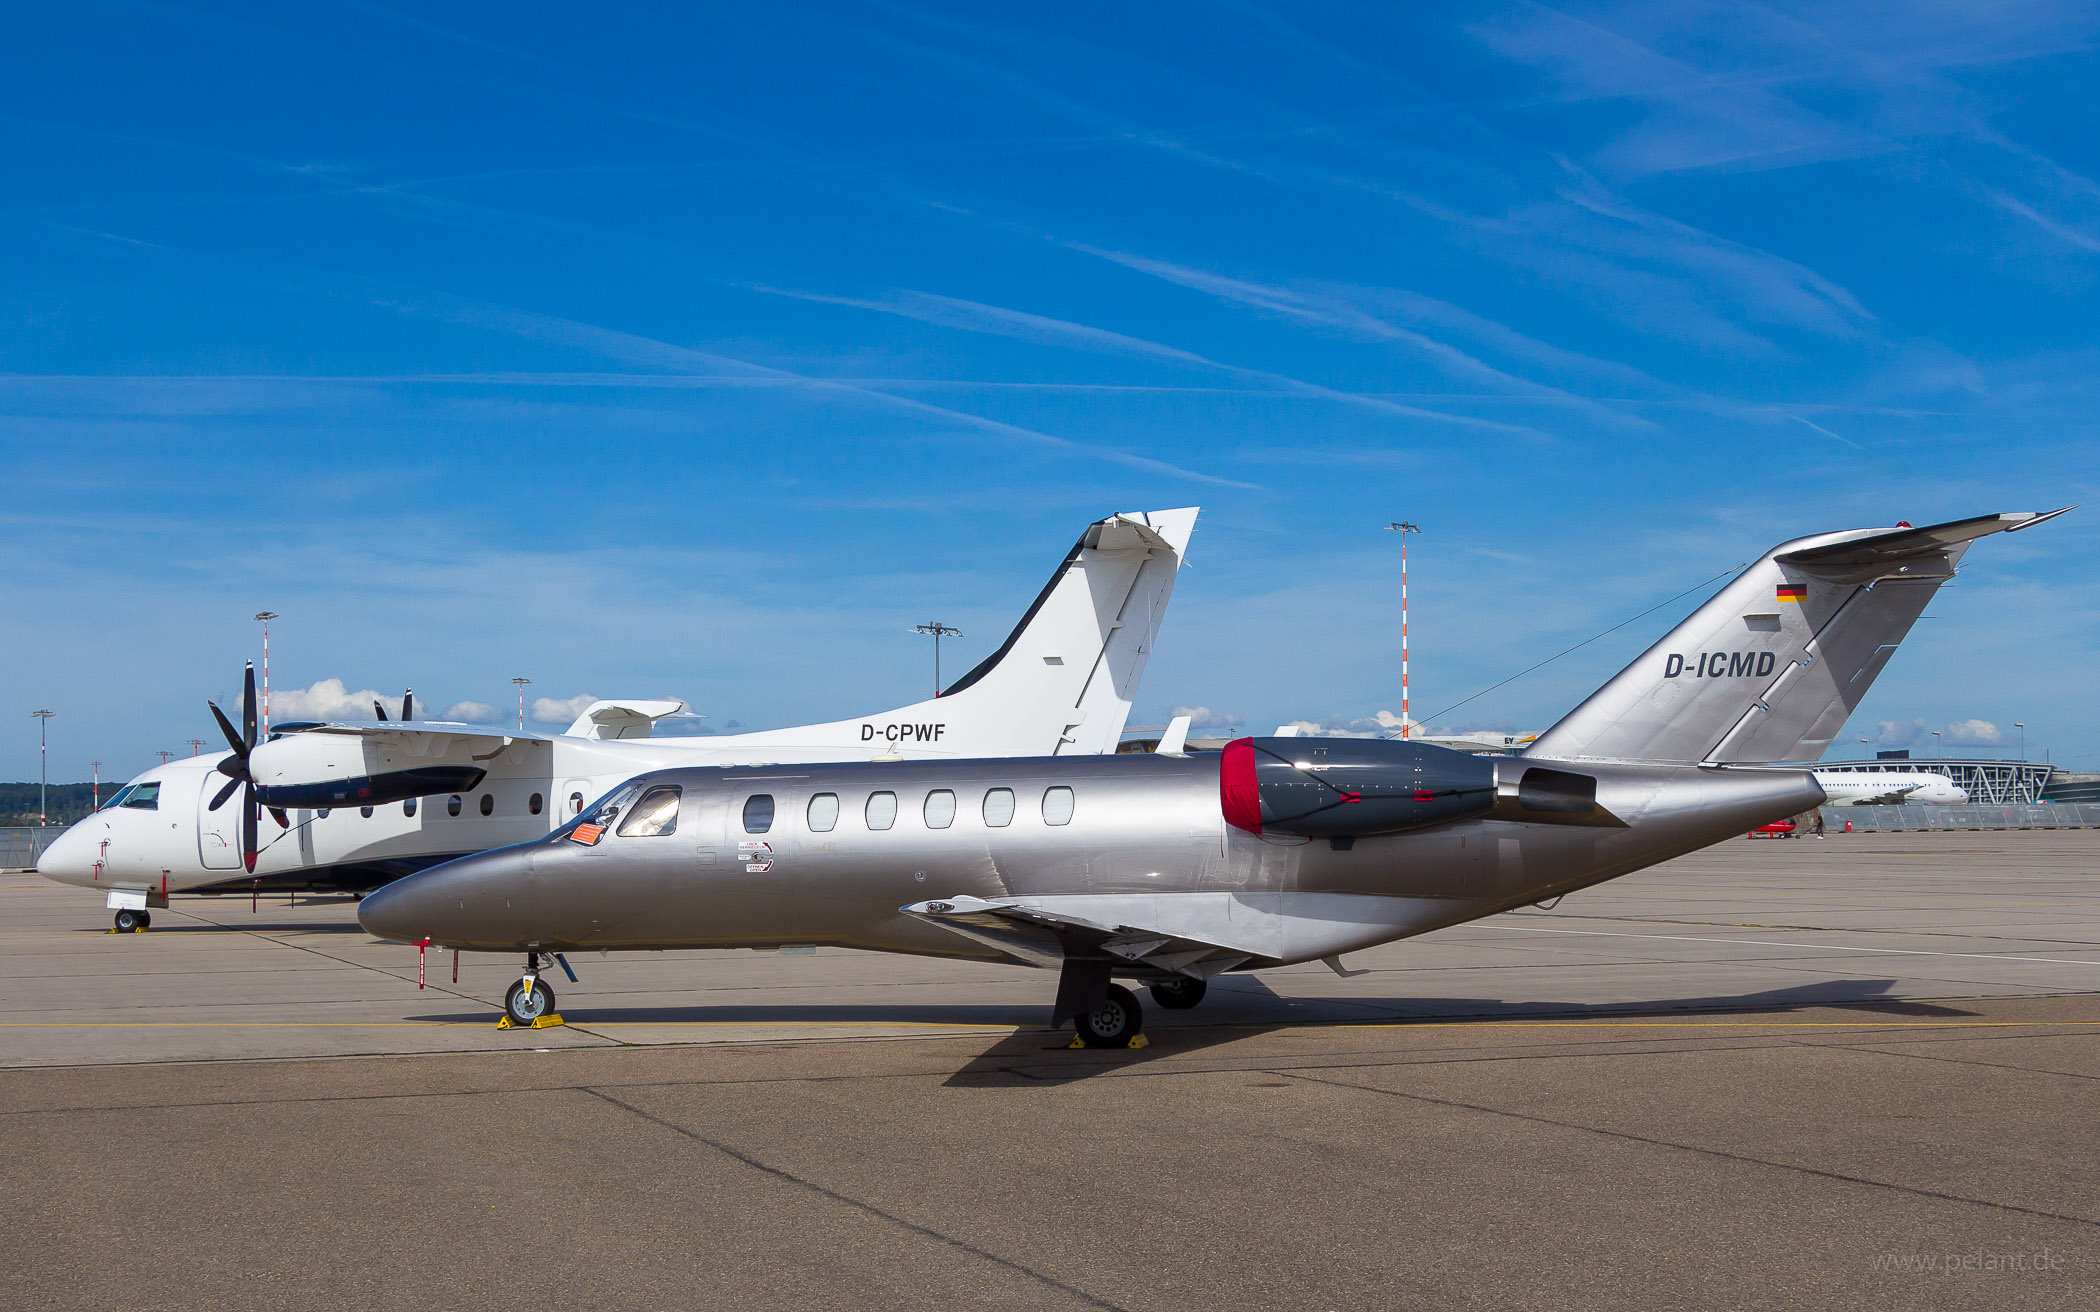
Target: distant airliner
pixel 1889 788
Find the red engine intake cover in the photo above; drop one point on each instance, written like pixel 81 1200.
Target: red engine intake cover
pixel 1238 793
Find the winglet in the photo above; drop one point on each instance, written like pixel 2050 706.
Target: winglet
pixel 1176 738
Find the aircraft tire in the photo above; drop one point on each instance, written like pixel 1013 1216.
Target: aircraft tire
pixel 525 1005
pixel 1179 993
pixel 1114 1023
pixel 145 920
pixel 128 920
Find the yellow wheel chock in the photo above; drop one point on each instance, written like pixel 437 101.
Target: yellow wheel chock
pixel 540 1023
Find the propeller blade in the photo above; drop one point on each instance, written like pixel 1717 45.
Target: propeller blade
pixel 224 793
pixel 248 810
pixel 283 821
pixel 408 704
pixel 380 708
pixel 233 738
pixel 248 709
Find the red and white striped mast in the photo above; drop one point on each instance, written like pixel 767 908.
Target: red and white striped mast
pixel 266 616
pixel 1403 529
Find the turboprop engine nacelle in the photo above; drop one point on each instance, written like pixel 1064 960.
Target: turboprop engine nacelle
pixel 303 766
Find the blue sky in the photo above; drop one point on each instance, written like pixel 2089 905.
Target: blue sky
pixel 702 352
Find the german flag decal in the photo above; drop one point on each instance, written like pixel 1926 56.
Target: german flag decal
pixel 1792 592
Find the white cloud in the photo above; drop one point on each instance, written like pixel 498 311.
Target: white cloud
pixel 1974 731
pixel 1203 717
pixel 472 713
pixel 328 700
pixel 554 710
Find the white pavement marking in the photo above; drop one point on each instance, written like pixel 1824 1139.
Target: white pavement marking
pixel 1805 947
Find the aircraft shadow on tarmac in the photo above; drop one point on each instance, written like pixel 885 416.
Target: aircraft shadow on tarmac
pixel 1242 1006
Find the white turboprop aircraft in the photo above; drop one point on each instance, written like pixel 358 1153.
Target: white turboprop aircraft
pixel 1889 788
pixel 360 804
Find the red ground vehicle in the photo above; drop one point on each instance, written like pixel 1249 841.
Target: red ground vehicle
pixel 1777 829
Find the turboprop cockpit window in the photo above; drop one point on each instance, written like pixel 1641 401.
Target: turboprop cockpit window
pixel 117 798
pixel 144 797
pixel 656 813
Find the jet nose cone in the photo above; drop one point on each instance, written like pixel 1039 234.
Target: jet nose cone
pixel 448 903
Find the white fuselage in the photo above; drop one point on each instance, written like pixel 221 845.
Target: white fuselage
pixel 1889 788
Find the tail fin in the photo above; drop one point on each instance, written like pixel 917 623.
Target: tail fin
pixel 1063 681
pixel 1771 667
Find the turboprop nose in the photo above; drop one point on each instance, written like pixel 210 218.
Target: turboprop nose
pixel 464 902
pixel 70 858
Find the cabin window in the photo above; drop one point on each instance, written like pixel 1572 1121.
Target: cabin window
pixel 452 804
pixel 408 808
pixel 365 811
pixel 657 813
pixel 488 803
pixel 144 797
pixel 575 803
pixel 536 804
pixel 823 813
pixel 1057 806
pixel 999 808
pixel 882 810
pixel 758 813
pixel 940 809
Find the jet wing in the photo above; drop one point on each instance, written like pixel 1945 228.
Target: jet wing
pixel 1044 935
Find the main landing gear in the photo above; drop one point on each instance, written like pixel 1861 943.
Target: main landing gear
pixel 1113 1021
pixel 130 920
pixel 1179 993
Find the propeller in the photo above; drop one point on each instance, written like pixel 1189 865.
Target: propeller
pixel 235 768
pixel 408 706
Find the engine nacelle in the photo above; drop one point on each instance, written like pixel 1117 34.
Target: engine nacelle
pixel 1350 787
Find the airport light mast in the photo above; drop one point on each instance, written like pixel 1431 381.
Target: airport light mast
pixel 96 796
pixel 521 681
pixel 264 617
pixel 196 746
pixel 2023 738
pixel 1403 529
pixel 938 631
pixel 43 776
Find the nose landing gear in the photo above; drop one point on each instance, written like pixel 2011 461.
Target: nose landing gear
pixel 529 1003
pixel 130 920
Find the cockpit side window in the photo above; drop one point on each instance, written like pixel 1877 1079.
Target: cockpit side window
pixel 117 798
pixel 144 797
pixel 656 813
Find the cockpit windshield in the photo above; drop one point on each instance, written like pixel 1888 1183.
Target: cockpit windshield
pixel 598 817
pixel 117 798
pixel 143 797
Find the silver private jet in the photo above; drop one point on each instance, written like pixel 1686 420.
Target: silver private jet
pixel 1167 869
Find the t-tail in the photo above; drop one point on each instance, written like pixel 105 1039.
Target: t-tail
pixel 1769 669
pixel 1063 681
